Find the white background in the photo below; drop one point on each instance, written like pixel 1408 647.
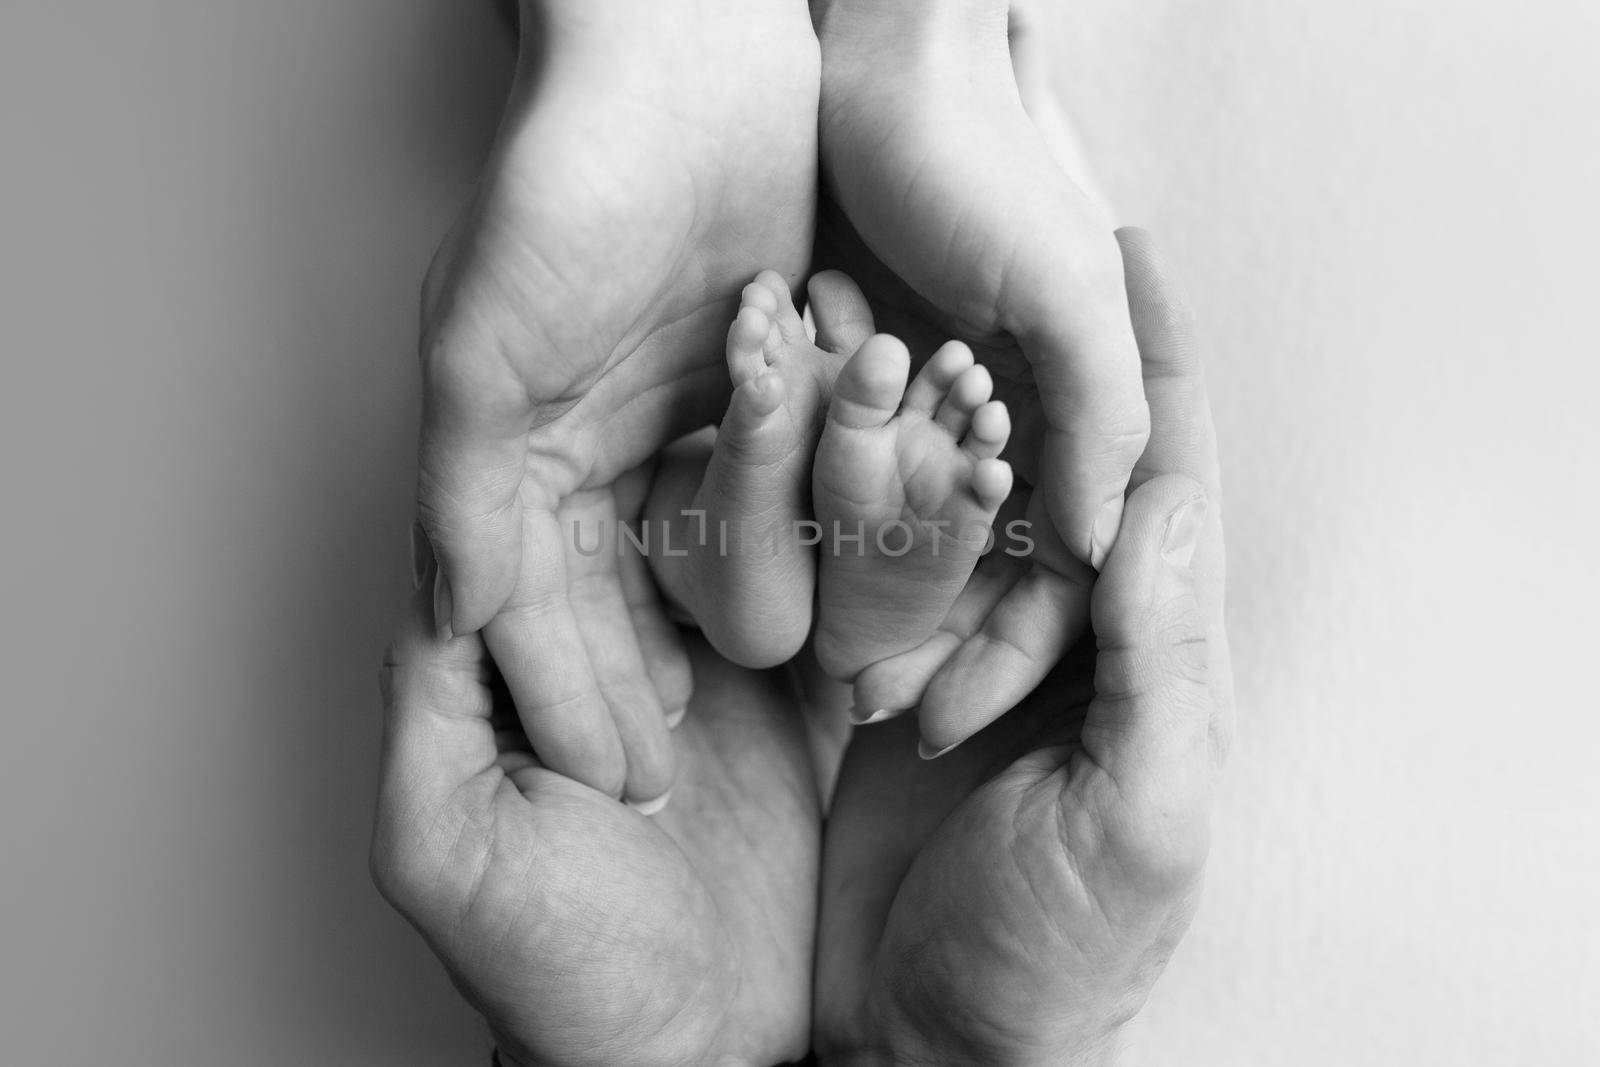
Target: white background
pixel 215 219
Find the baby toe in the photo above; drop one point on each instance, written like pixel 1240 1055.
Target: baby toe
pixel 759 295
pixel 990 430
pixel 868 391
pixel 784 314
pixel 970 392
pixel 747 339
pixel 933 382
pixel 991 483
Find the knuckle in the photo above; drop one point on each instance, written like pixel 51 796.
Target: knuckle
pixel 1162 649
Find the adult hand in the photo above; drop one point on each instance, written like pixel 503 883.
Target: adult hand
pixel 652 158
pixel 585 932
pixel 1014 901
pixel 927 149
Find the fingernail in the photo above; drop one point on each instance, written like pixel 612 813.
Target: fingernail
pixel 862 717
pixel 421 555
pixel 441 606
pixel 675 718
pixel 650 807
pixel 927 751
pixel 1183 531
pixel 1104 534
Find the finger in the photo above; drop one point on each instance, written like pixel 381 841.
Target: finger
pixel 470 466
pixel 598 586
pixel 540 649
pixel 1019 642
pixel 844 321
pixel 1087 460
pixel 437 701
pixel 661 646
pixel 437 736
pixel 1086 366
pixel 891 687
pixel 898 683
pixel 1039 609
pixel 1066 304
pixel 1182 438
pixel 1147 727
pixel 1022 640
pixel 607 626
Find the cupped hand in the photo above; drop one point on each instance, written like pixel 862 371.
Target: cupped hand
pixel 651 160
pixel 1022 607
pixel 932 159
pixel 944 198
pixel 585 932
pixel 1014 901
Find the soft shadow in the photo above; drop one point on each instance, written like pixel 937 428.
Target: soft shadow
pixel 384 167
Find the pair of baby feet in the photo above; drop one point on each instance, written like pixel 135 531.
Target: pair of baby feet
pixel 834 485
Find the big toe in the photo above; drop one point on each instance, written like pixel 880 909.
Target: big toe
pixel 770 292
pixel 868 390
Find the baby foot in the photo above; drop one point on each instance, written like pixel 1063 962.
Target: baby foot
pixel 905 484
pixel 750 573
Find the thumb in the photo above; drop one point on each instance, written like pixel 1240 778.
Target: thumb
pixel 470 466
pixel 1086 366
pixel 1149 723
pixel 842 315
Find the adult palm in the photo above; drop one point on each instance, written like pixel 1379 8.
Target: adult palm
pixel 1013 901
pixel 651 160
pixel 585 932
pixel 929 151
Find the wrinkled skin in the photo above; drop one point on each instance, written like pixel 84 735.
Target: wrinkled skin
pixel 1014 900
pixel 1011 901
pixel 933 160
pixel 573 324
pixel 947 201
pixel 585 932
